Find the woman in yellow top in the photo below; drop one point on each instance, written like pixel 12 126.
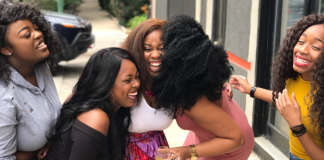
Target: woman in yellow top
pixel 297 77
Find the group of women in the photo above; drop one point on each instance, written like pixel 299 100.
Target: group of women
pixel 127 96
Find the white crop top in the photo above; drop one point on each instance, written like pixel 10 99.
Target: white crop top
pixel 145 118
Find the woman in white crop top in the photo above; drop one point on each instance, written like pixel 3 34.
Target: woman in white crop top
pixel 147 124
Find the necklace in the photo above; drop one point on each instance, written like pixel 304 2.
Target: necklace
pixel 149 93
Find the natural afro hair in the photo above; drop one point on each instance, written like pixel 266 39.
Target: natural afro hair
pixel 13 11
pixel 192 66
pixel 282 69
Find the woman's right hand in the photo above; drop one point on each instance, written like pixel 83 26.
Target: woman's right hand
pixel 178 153
pixel 241 83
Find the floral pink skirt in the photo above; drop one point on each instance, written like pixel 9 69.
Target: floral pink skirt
pixel 143 146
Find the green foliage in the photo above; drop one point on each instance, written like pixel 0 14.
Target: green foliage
pixel 44 4
pixel 132 23
pixel 124 10
pixel 51 4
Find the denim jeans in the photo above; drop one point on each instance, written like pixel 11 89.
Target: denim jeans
pixel 293 157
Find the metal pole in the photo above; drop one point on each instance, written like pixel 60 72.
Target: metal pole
pixel 60 6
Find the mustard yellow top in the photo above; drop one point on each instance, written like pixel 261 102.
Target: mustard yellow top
pixel 301 89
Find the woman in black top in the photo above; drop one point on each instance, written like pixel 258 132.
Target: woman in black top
pixel 92 123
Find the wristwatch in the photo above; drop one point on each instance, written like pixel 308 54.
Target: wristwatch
pixel 193 155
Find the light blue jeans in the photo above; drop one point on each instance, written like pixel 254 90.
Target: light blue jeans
pixel 293 157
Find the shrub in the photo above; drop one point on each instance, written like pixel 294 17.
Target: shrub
pixel 132 23
pixel 124 10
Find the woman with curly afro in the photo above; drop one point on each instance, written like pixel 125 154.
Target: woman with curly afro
pixel 28 97
pixel 297 79
pixel 148 123
pixel 190 87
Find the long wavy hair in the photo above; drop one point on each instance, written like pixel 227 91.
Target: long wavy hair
pixel 13 11
pixel 92 91
pixel 192 66
pixel 282 69
pixel 134 44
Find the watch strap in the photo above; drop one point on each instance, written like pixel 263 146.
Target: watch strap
pixel 193 155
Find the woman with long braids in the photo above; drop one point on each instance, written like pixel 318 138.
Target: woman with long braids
pixel 189 85
pixel 297 79
pixel 28 98
pixel 94 121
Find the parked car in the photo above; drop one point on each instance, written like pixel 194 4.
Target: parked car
pixel 73 32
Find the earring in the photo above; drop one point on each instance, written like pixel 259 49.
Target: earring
pixel 10 54
pixel 113 97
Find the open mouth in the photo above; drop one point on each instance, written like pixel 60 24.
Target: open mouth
pixel 132 95
pixel 154 66
pixel 300 61
pixel 41 45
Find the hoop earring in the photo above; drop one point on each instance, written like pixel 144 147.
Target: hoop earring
pixel 113 97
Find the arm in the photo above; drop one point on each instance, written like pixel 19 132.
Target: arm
pixel 290 111
pixel 84 146
pixel 241 83
pixel 8 139
pixel 208 115
pixel 20 155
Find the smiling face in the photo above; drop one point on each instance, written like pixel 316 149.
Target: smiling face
pixel 307 49
pixel 126 85
pixel 27 42
pixel 152 50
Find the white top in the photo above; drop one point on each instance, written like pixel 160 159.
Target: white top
pixel 28 113
pixel 145 118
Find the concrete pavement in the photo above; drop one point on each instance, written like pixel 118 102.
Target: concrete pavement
pixel 107 34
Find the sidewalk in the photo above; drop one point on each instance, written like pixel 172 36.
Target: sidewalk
pixel 107 34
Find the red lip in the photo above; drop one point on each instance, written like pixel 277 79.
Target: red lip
pixel 300 57
pixel 300 64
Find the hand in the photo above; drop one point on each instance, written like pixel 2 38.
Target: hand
pixel 182 153
pixel 43 151
pixel 290 110
pixel 241 83
pixel 229 89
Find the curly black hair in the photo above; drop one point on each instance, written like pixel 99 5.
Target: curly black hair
pixel 282 69
pixel 192 67
pixel 13 11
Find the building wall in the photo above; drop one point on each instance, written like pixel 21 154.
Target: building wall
pixel 237 38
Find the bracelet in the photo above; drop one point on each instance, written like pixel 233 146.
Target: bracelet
pixel 298 131
pixel 193 155
pixel 252 91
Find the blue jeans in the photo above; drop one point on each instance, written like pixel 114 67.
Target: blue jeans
pixel 293 157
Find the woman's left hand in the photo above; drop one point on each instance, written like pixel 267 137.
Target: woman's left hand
pixel 182 153
pixel 290 110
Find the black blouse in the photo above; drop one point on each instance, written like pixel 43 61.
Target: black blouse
pixel 81 142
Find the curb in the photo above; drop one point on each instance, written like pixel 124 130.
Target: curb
pixel 124 29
